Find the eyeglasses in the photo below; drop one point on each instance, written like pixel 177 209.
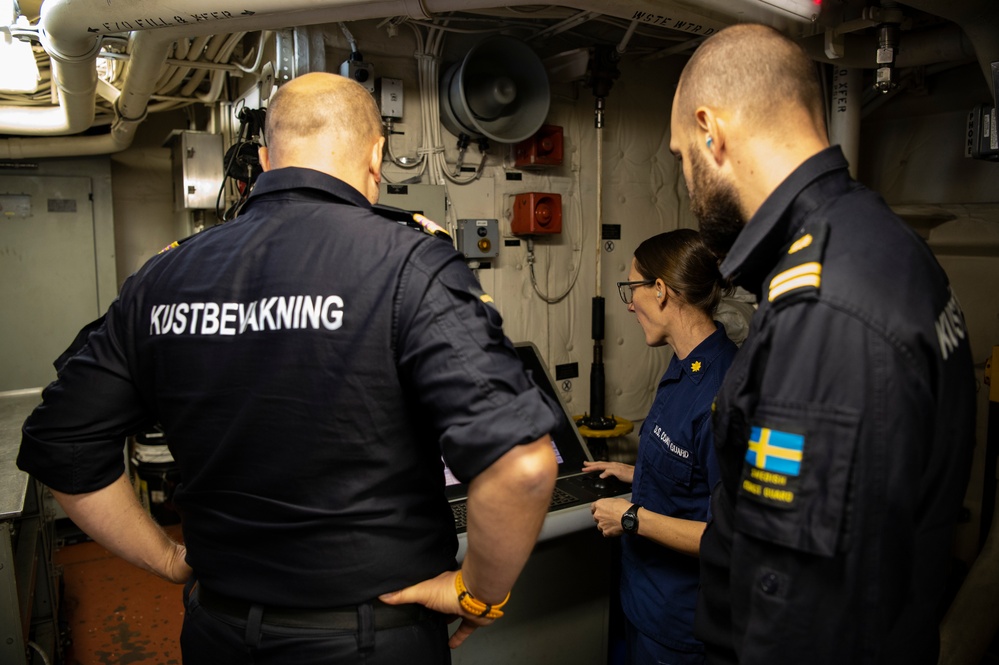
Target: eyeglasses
pixel 627 289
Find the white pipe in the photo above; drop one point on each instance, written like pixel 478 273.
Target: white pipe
pixel 599 207
pixel 349 36
pixel 844 116
pixel 211 53
pixel 74 81
pixel 149 52
pixel 72 31
pixel 218 78
pixel 77 146
pixel 925 47
pixel 174 76
pixel 623 44
pixel 107 91
pixel 233 69
pixel 567 24
pixel 252 69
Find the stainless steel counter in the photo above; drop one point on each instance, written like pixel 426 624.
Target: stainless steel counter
pixel 15 406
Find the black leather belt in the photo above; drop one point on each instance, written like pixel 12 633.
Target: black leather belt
pixel 341 618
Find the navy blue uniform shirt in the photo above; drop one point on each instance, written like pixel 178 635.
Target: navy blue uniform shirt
pixel 674 474
pixel 844 432
pixel 309 362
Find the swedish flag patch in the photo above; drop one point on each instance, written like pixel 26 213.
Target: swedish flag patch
pixel 775 451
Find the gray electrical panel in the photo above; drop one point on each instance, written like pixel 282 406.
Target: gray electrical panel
pixel 428 200
pixel 197 169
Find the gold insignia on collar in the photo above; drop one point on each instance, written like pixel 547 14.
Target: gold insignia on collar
pixel 695 366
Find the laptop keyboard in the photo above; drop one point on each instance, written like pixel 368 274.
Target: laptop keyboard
pixel 460 508
pixel 560 497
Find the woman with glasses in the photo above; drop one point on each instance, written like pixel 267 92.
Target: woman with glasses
pixel 673 289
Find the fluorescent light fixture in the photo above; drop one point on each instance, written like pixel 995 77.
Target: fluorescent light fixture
pixel 18 69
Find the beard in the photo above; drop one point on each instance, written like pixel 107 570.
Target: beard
pixel 715 204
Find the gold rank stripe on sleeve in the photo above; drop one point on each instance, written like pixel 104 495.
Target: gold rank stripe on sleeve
pixel 807 274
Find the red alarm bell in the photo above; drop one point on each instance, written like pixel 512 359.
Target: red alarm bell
pixel 542 149
pixel 536 213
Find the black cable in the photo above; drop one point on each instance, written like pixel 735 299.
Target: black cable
pixel 241 162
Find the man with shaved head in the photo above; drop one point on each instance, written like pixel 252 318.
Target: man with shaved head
pixel 310 363
pixel 844 428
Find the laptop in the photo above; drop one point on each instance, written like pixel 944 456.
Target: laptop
pixel 573 487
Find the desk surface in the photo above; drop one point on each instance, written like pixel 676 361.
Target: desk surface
pixel 15 406
pixel 557 523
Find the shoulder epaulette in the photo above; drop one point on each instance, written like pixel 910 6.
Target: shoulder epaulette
pixel 411 219
pixel 799 272
pixel 395 214
pixel 176 243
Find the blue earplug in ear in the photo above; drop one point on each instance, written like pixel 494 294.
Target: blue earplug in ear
pixel 710 142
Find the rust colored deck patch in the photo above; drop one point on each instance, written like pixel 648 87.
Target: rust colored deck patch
pixel 118 614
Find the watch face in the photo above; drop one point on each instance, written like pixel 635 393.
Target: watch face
pixel 629 521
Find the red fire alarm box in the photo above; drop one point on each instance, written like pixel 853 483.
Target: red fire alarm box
pixel 536 213
pixel 542 149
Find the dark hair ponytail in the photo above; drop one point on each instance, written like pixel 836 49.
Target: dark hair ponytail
pixel 683 262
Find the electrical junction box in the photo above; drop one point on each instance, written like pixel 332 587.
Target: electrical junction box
pixel 388 94
pixel 478 238
pixel 15 206
pixel 197 169
pixel 428 200
pixel 360 71
pixel 983 135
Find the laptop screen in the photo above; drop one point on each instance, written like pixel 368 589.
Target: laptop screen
pixel 570 447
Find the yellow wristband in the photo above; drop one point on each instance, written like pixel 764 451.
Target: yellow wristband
pixel 473 605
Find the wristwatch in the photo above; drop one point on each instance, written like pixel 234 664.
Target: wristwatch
pixel 629 521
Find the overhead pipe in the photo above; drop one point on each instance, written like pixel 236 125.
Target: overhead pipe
pixel 175 75
pixel 75 84
pixel 232 68
pixel 149 52
pixel 72 31
pixel 978 19
pixel 844 114
pixel 217 51
pixel 918 48
pixel 622 46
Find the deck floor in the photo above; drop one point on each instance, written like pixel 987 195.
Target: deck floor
pixel 115 613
